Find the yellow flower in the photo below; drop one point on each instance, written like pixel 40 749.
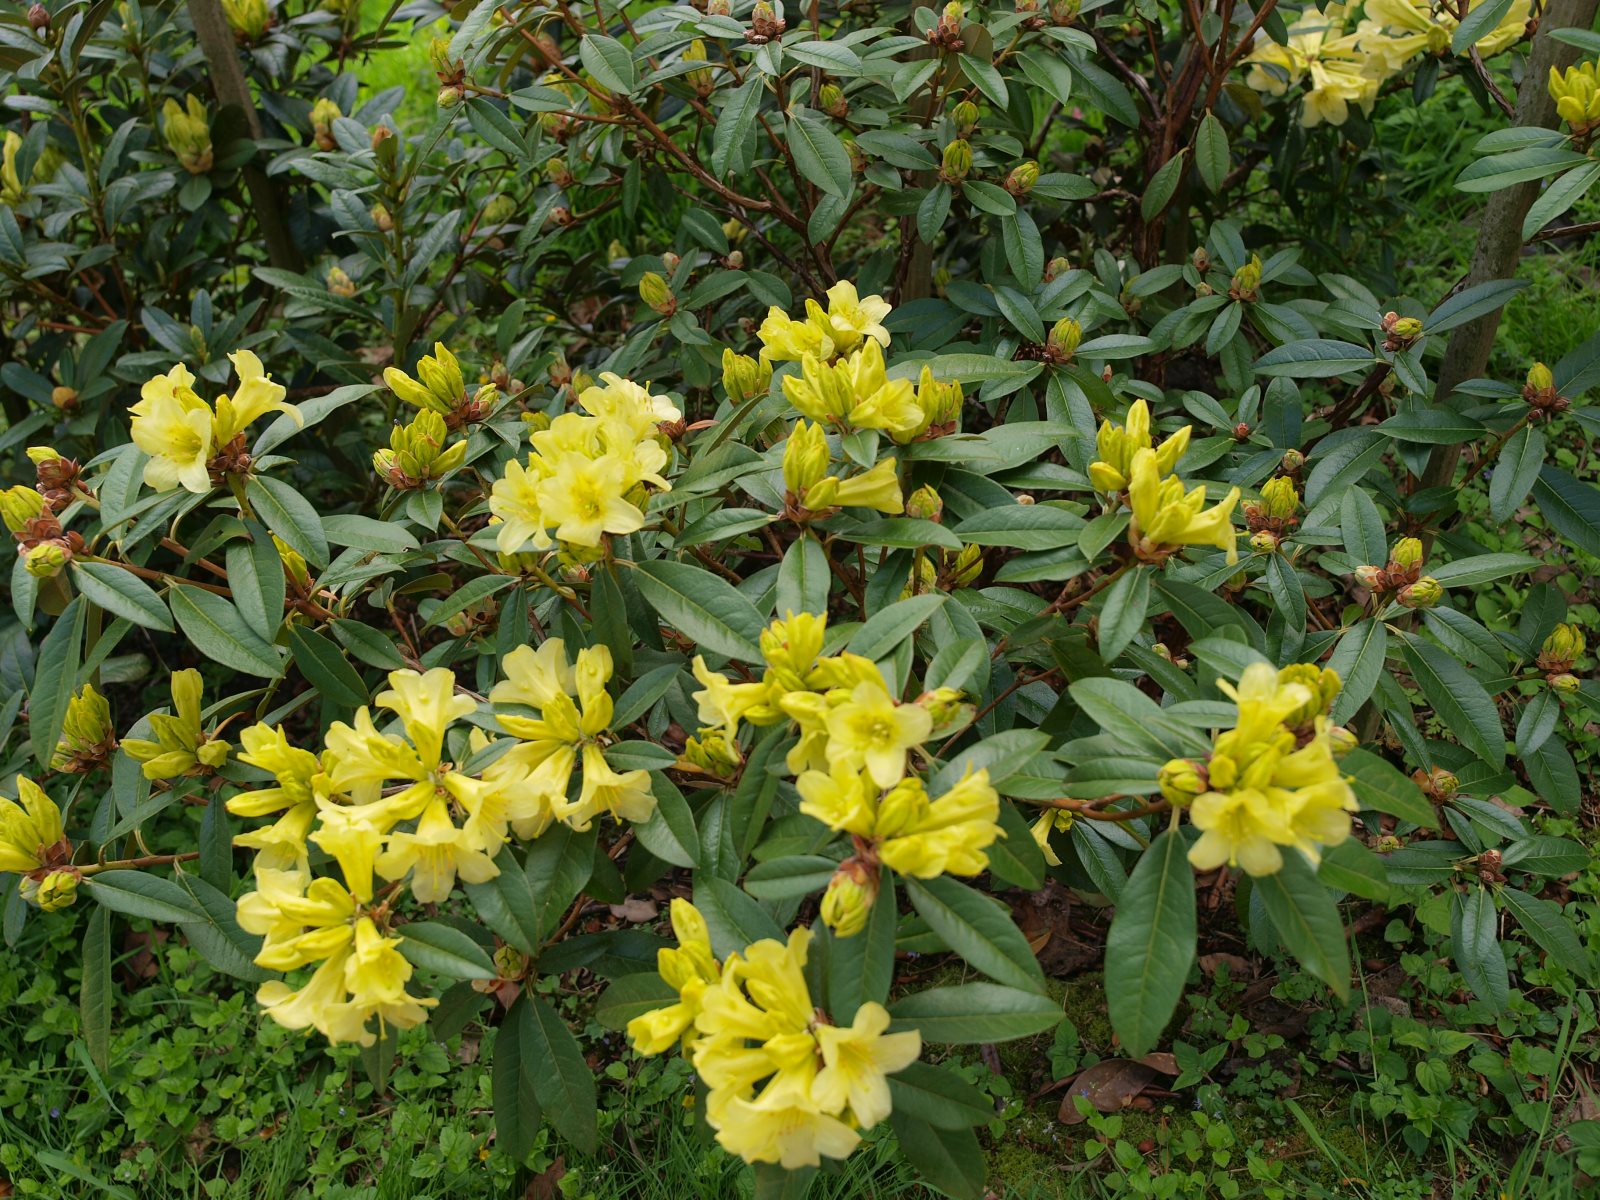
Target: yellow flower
pixel 626 796
pixel 842 798
pixel 1577 97
pixel 1118 444
pixel 947 835
pixel 434 855
pixel 1318 50
pixel 743 377
pixel 793 1136
pixel 254 398
pixel 853 318
pixel 1165 517
pixel 181 746
pixel 1266 790
pixel 854 392
pixel 805 457
pixel 878 489
pixel 29 826
pixel 690 968
pixel 871 730
pixel 858 1059
pixel 724 703
pixel 249 19
pixel 173 426
pixel 583 499
pixel 514 501
pixel 1049 821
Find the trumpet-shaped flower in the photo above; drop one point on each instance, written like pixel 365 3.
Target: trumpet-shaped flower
pixel 855 392
pixel 858 1060
pixel 173 426
pixel 1166 517
pixel 434 855
pixel 181 747
pixel 871 730
pixel 30 826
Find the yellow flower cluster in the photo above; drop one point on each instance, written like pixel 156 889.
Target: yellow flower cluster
pixel 1342 67
pixel 1272 780
pixel 1577 97
pixel 187 129
pixel 843 381
pixel 388 803
pixel 30 826
pixel 182 434
pixel 587 473
pixel 851 761
pixel 806 463
pixel 849 320
pixel 1166 513
pixel 785 1085
pixel 181 746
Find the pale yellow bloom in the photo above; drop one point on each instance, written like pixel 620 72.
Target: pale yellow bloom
pixel 29 826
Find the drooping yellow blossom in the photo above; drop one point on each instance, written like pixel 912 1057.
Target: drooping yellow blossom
pixel 1166 517
pixel 786 1086
pixel 1117 445
pixel 855 392
pixel 434 854
pixel 587 473
pixel 1049 821
pixel 1266 786
pixel 181 747
pixel 690 968
pixel 441 387
pixel 30 826
pixel 1577 97
pixel 878 488
pixel 1397 31
pixel 574 717
pixel 181 433
pixel 849 320
pixel 1321 54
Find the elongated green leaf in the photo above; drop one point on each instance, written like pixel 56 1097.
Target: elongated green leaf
pixel 94 992
pixel 950 1159
pixel 1158 193
pixel 1516 469
pixel 890 626
pixel 1476 946
pixel 1359 658
pixel 1551 930
pixel 972 1013
pixel 289 515
pixel 122 594
pixel 560 861
pixel 939 1096
pixel 139 894
pixel 445 949
pixel 702 606
pixel 1572 507
pixel 818 153
pixel 1123 614
pixel 1516 166
pixel 324 666
pixel 1151 944
pixel 1307 919
pixel 1478 24
pixel 734 123
pixel 506 904
pixel 861 968
pixel 733 918
pixel 562 1079
pixel 609 61
pixel 55 675
pixel 1473 302
pixel 1465 707
pixel 633 996
pixel 1380 786
pixel 1211 152
pixel 977 927
pixel 517 1112
pixel 1561 195
pixel 218 631
pixel 1317 358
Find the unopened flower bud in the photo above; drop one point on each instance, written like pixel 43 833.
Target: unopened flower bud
pixel 449 96
pixel 38 17
pixel 653 290
pixel 957 161
pixel 1247 279
pixel 57 890
pixel 805 458
pixel 1562 648
pixel 1408 328
pixel 1407 553
pixel 339 283
pixel 1436 783
pixel 743 376
pixel 670 261
pixel 1265 541
pixel 19 505
pixel 1293 460
pixel 500 209
pixel 700 78
pixel 848 901
pixel 1342 740
pixel 1056 268
pixel 965 117
pixel 1065 12
pixel 382 218
pixel 187 131
pixel 902 809
pixel 1370 577
pixel 1181 780
pixel 46 559
pixel 925 504
pixel 831 99
pixel 1540 378
pixel 1064 339
pixel 1564 682
pixel 1424 593
pixel 1022 178
pixel 968 565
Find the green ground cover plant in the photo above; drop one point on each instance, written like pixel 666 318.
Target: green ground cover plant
pixel 889 600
